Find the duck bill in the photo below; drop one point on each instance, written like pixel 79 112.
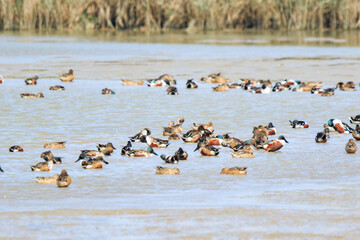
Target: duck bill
pixel 155 153
pixel 197 148
pixel 286 140
pixel 78 160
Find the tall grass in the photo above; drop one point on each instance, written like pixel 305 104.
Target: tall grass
pixel 179 14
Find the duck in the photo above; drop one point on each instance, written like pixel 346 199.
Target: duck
pixel 132 83
pixel 234 171
pixel 91 163
pixel 214 78
pixel 158 83
pixel 126 149
pixel 328 92
pixel 107 91
pixel 206 150
pixel 149 152
pixel 31 80
pixel 349 86
pixel 274 145
pixel 263 89
pixel 356 132
pixel 174 136
pixel 57 88
pixel 323 137
pixel 191 136
pixel 49 156
pixel 172 128
pixel 169 78
pixel 235 85
pixel 260 136
pixel 355 119
pixel 299 124
pixel 351 146
pixel 270 128
pixel 32 95
pixel 181 154
pixel 16 148
pixel 106 148
pixel 166 171
pixel 67 77
pixel 143 132
pixel 244 152
pixel 221 88
pixel 233 143
pixel 55 145
pixel 339 126
pixel 64 179
pixel 154 142
pixel 169 158
pixel 207 126
pixel 307 86
pixel 191 84
pixel 42 166
pixel 94 153
pixel 47 180
pixel 172 91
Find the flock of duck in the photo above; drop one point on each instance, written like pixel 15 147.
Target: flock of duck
pixel 208 143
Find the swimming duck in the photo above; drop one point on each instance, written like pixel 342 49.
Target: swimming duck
pixel 57 88
pixel 169 158
pixel 349 86
pixel 166 170
pixel 206 150
pixel 42 166
pixel 274 145
pixel 339 126
pixel 94 153
pixel 149 152
pixel 181 154
pixel 31 80
pixel 132 83
pixel 316 90
pixel 234 171
pixel 174 136
pixel 298 124
pixel 172 128
pixel 126 149
pixel 351 146
pixel 232 142
pixel 49 156
pixel 270 128
pixel 154 142
pixel 47 180
pixel 91 163
pixel 107 91
pixel 207 126
pixel 158 83
pixel 16 148
pixel 106 148
pixel 64 179
pixel 1 169
pixel 307 86
pixel 215 78
pixel 222 88
pixel 235 85
pixel 244 152
pixel 67 77
pixel 260 136
pixel 169 78
pixel 356 132
pixel 143 132
pixel 263 89
pixel 328 92
pixel 323 137
pixel 172 91
pixel 190 84
pixel 355 120
pixel 31 95
pixel 191 136
pixel 55 145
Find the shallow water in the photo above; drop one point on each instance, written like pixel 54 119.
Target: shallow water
pixel 306 190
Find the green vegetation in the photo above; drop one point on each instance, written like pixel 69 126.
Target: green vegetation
pixel 192 15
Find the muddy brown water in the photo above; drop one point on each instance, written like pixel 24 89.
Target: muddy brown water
pixel 306 190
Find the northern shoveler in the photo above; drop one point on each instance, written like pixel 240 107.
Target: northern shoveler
pixel 132 83
pixel 55 145
pixel 93 153
pixel 143 132
pixel 328 92
pixel 323 137
pixel 181 154
pixel 57 88
pixel 191 136
pixel 351 146
pixel 339 126
pixel 245 152
pixel 154 142
pixel 307 86
pixel 298 124
pixel 191 84
pixel 260 136
pixel 169 158
pixel 67 77
pixel 172 128
pixel 16 148
pixel 106 148
pixel 31 95
pixel 234 171
pixel 107 91
pixel 349 86
pixel 222 87
pixel 149 152
pixel 274 145
pixel 126 149
pixel 263 89
pixel 166 170
pixel 207 126
pixel 169 78
pixel 206 150
pixel 47 180
pixel 42 166
pixel 172 91
pixel 31 80
pixel 48 156
pixel 91 163
pixel 356 132
pixel 64 179
pixel 271 130
pixel 355 120
pixel 214 78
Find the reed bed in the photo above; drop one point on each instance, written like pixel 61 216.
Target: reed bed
pixel 161 15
